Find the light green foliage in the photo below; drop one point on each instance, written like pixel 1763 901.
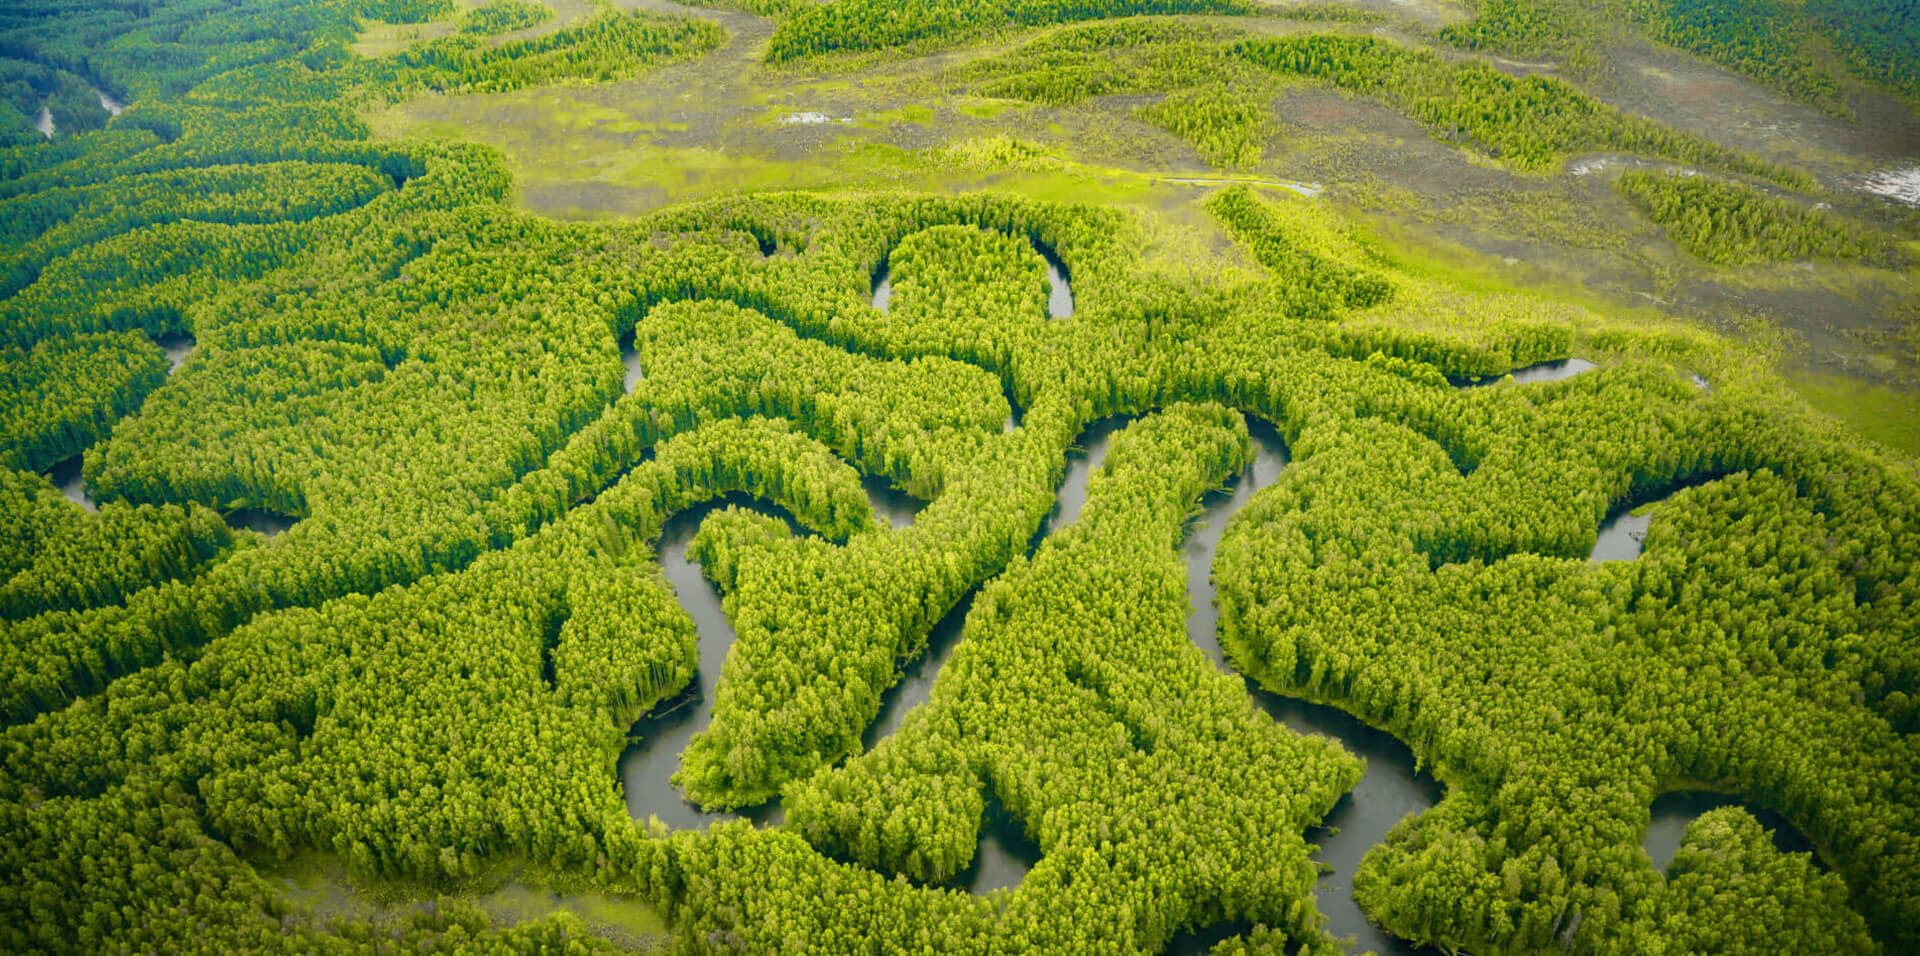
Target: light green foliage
pixel 94 561
pixel 435 670
pixel 505 16
pixel 608 46
pixel 1213 102
pixel 1109 737
pixel 1225 128
pixel 47 224
pixel 1551 28
pixel 1317 269
pixel 862 25
pixel 1730 224
pixel 1729 891
pixel 1221 82
pixel 65 394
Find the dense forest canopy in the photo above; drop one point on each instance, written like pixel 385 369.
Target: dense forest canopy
pixel 229 304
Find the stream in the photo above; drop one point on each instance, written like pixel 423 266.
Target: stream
pixel 1391 788
pixel 1673 811
pixel 1621 537
pixel 44 121
pixel 630 357
pixel 65 476
pixel 655 742
pixel 1543 372
pixel 647 766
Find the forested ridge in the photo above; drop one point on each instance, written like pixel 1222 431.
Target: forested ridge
pixel 436 668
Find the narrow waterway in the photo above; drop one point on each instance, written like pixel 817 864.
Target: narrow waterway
pixel 630 357
pixel 65 476
pixel 1059 289
pixel 1543 372
pixel 1391 789
pixel 1004 854
pixel 1621 538
pixel 1674 811
pixel 1087 454
pixel 647 767
pixel 1623 535
pixel 656 741
pixel 883 286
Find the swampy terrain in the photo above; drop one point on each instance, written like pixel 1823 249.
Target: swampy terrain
pixel 781 476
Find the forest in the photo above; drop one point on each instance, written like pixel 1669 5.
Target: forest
pixel 342 489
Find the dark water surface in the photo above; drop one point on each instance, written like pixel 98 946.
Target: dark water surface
pixel 1391 788
pixel 1672 812
pixel 176 346
pixel 254 519
pixel 647 766
pixel 65 476
pixel 1543 372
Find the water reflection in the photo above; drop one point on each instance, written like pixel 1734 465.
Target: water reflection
pixel 65 476
pixel 647 766
pixel 1391 788
pixel 1059 290
pixel 254 519
pixel 916 681
pixel 1087 454
pixel 176 346
pixel 890 504
pixel 1622 537
pixel 1543 372
pixel 1673 812
pixel 883 287
pixel 1003 857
